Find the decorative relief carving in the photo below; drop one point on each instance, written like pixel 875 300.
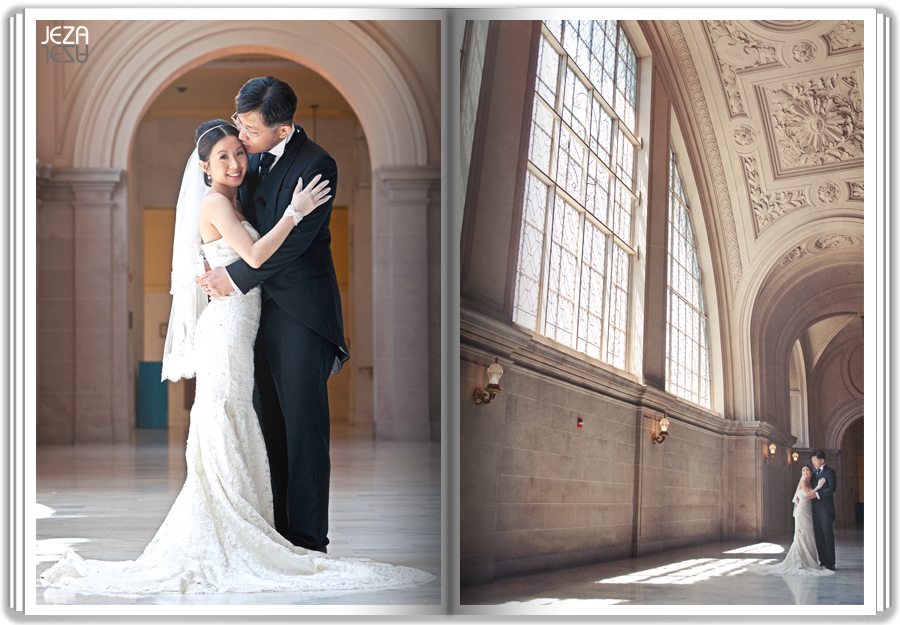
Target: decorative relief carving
pixel 804 52
pixel 710 144
pixel 784 26
pixel 795 254
pixel 822 244
pixel 744 135
pixel 814 123
pixel 769 207
pixel 835 241
pixel 829 192
pixel 736 51
pixel 845 37
pixel 855 190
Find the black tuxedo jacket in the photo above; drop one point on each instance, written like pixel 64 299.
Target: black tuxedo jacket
pixel 826 494
pixel 299 276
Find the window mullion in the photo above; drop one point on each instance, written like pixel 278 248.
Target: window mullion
pixel 607 292
pixel 551 193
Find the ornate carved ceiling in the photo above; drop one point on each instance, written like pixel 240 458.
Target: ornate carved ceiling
pixel 785 120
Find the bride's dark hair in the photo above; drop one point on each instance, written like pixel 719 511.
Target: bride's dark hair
pixel 207 136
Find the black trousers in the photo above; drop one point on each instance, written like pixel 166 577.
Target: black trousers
pixel 292 364
pixel 823 524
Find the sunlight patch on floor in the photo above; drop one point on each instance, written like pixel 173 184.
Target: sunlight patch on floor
pixel 687 572
pixel 767 548
pixel 52 549
pixel 43 512
pixel 579 603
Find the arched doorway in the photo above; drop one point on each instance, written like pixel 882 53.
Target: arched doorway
pixel 164 136
pixel 88 179
pixel 850 493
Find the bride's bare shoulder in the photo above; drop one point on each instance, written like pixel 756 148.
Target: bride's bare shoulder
pixel 216 207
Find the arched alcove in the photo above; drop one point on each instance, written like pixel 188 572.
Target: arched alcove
pixel 797 294
pixel 98 107
pixel 344 53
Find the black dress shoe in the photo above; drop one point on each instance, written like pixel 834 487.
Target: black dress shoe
pixel 830 568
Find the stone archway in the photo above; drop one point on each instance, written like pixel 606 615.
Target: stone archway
pixel 104 102
pixel 851 450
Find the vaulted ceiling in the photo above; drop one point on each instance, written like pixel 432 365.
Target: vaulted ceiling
pixel 776 114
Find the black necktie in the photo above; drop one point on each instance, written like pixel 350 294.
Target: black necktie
pixel 265 161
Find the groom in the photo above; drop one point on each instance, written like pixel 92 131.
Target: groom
pixel 301 336
pixel 823 509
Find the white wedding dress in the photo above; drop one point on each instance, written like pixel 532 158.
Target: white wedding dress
pixel 219 535
pixel 803 557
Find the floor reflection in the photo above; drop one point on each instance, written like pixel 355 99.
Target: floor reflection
pixel 107 501
pixel 708 574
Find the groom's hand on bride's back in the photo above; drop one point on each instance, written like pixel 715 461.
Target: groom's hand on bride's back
pixel 215 283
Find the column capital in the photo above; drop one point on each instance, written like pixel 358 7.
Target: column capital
pixel 80 185
pixel 410 183
pixel 409 174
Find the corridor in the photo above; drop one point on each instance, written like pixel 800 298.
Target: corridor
pixel 708 574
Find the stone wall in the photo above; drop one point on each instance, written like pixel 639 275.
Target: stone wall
pixel 538 493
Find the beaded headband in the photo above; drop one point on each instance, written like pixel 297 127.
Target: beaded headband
pixel 208 129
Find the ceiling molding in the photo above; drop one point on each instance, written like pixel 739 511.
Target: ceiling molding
pixel 785 26
pixel 711 149
pixel 814 124
pixel 768 206
pixel 846 37
pixel 738 52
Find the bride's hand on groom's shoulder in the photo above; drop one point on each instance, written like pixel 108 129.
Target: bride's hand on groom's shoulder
pixel 316 193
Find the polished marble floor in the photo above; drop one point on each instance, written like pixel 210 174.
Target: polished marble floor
pixel 709 574
pixel 107 501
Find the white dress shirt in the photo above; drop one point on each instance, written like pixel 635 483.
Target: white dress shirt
pixel 277 152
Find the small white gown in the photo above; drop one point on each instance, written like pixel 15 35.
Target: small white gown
pixel 219 536
pixel 803 557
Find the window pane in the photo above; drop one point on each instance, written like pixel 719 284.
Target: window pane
pixel 569 163
pixel 531 245
pixel 575 104
pixel 567 257
pixel 601 131
pixel 540 144
pixel 547 72
pixel 555 27
pixel 560 324
pixel 626 82
pixel 596 195
pixel 687 349
pixel 625 160
pixel 590 314
pixel 620 217
pixel 618 307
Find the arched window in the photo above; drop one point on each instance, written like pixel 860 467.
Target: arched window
pixel 687 340
pixel 576 248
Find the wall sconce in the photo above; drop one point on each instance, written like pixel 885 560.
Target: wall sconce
pixel 770 452
pixel 663 431
pixel 795 457
pixel 486 396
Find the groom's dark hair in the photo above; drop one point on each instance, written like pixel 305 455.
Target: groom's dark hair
pixel 272 98
pixel 818 453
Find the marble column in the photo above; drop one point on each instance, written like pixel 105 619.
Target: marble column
pixel 406 299
pixel 85 382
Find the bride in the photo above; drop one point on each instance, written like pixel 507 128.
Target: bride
pixel 220 534
pixel 802 558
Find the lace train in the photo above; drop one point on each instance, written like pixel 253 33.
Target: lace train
pixel 802 558
pixel 219 535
